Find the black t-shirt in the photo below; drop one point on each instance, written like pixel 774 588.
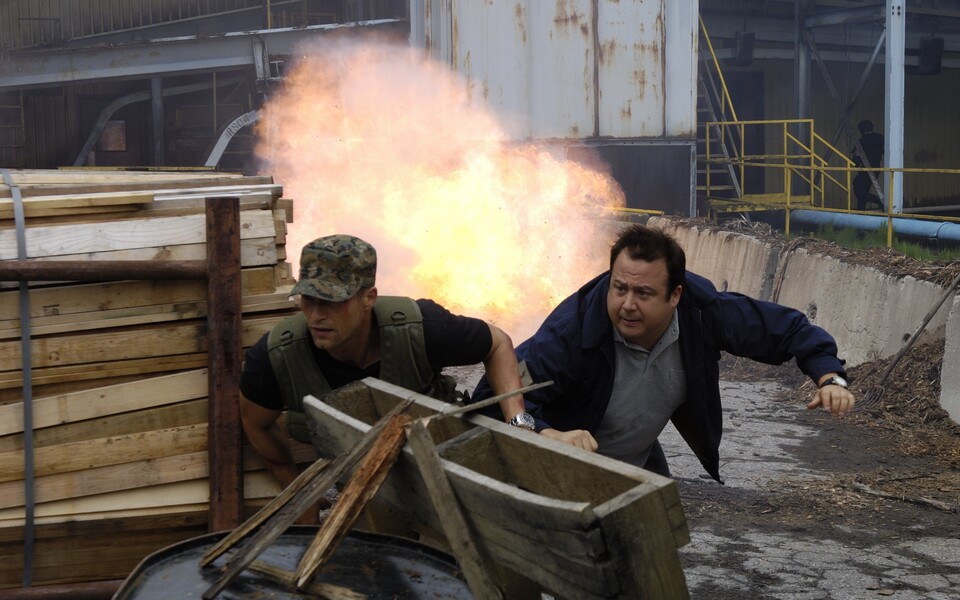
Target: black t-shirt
pixel 450 340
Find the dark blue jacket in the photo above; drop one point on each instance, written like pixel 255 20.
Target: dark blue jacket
pixel 575 349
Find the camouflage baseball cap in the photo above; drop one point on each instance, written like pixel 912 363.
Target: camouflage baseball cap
pixel 336 267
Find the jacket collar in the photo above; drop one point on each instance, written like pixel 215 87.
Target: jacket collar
pixel 593 306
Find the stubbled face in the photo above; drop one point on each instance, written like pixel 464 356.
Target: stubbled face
pixel 339 326
pixel 637 301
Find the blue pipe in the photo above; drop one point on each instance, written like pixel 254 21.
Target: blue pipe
pixel 942 231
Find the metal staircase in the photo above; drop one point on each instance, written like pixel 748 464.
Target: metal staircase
pixel 717 150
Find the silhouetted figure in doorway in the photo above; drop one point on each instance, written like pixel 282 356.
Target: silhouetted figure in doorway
pixel 872 144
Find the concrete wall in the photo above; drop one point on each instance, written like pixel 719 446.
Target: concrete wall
pixel 869 313
pixel 950 373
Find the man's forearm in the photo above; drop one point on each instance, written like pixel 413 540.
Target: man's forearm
pixel 502 373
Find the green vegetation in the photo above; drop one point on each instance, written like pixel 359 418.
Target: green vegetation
pixel 859 239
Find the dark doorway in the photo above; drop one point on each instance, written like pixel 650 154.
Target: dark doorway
pixel 746 93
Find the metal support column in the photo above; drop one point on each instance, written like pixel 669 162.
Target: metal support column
pixel 893 125
pixel 801 62
pixel 156 105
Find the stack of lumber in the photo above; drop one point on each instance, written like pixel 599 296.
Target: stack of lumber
pixel 118 369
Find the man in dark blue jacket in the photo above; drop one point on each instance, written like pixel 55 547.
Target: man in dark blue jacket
pixel 640 345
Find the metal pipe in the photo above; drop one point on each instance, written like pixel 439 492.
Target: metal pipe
pixel 938 230
pixel 104 270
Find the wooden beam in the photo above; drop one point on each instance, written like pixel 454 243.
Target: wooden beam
pixel 224 327
pixel 451 518
pixel 283 515
pixel 361 488
pixel 104 401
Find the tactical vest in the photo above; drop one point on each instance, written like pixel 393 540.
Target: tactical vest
pixel 403 359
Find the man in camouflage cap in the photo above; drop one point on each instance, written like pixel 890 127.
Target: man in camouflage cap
pixel 346 332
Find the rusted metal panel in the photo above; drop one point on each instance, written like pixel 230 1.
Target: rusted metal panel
pixel 680 73
pixel 572 69
pixel 492 52
pixel 562 60
pixel 630 68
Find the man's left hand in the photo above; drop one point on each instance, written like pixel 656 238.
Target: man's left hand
pixel 834 398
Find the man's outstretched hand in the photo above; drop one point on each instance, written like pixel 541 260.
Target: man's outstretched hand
pixel 836 399
pixel 580 438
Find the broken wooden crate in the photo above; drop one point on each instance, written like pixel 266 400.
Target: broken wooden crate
pixel 579 525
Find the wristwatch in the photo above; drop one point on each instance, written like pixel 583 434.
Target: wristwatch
pixel 523 420
pixel 835 380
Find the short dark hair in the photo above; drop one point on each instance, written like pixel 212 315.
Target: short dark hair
pixel 865 126
pixel 649 244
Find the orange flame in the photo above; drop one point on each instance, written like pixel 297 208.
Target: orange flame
pixel 375 140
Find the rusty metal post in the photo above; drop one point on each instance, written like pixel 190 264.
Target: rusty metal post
pixel 224 314
pixel 104 270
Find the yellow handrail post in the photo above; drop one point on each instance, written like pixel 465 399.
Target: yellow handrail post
pixel 813 163
pixel 889 208
pixel 786 161
pixel 743 160
pixel 786 223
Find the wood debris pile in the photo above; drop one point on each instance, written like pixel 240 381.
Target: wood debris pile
pixel 119 384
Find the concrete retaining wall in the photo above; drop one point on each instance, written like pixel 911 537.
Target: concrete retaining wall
pixel 950 375
pixel 732 261
pixel 869 313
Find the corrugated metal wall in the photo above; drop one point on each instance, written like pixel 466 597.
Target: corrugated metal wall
pixel 30 23
pixel 572 69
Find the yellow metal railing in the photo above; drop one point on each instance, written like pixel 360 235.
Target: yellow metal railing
pixel 830 187
pixel 725 101
pixel 801 157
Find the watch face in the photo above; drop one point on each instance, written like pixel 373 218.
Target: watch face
pixel 840 381
pixel 524 420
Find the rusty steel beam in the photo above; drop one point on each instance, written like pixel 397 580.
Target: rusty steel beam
pixel 224 312
pixel 102 270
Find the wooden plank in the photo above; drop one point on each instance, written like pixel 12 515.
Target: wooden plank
pixel 125 476
pixel 71 201
pixel 278 516
pixel 104 370
pixel 98 480
pixel 144 316
pixel 253 253
pixel 54 215
pixel 452 521
pixel 61 301
pixel 191 412
pixel 98 554
pixel 64 240
pixel 225 349
pixel 121 344
pixel 647 567
pixel 102 452
pixel 111 400
pixel 362 487
pixel 257 485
